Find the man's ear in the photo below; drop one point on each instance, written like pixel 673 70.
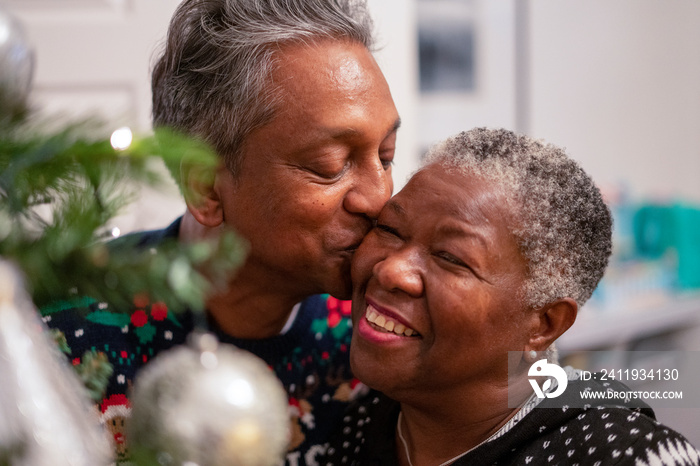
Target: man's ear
pixel 201 193
pixel 553 320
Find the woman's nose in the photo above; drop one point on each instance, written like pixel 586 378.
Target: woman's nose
pixel 400 271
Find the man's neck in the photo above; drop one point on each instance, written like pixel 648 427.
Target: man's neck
pixel 251 307
pixel 250 313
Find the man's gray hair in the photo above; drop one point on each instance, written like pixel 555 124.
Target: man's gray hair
pixel 213 79
pixel 561 223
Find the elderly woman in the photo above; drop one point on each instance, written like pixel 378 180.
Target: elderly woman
pixel 471 274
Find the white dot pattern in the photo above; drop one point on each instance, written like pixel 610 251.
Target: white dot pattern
pixel 589 436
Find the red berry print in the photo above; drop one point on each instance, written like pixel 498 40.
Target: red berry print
pixel 159 311
pixel 139 318
pixel 141 300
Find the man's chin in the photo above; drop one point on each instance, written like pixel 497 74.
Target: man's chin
pixel 341 289
pixel 336 279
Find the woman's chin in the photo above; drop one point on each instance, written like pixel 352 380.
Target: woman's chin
pixel 373 373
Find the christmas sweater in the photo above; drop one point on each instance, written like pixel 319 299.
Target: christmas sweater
pixel 310 358
pixel 541 433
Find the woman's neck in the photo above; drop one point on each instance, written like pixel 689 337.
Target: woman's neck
pixel 437 432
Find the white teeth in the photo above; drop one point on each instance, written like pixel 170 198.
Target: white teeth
pixel 387 323
pixel 372 315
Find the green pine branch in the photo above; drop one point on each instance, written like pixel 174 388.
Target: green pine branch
pixel 58 191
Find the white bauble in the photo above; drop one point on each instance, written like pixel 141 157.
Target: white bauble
pixel 16 62
pixel 46 418
pixel 208 404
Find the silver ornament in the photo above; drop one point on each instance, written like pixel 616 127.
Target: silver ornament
pixel 16 62
pixel 208 404
pixel 46 418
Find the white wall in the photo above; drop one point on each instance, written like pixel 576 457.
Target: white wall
pixel 397 56
pixel 493 100
pixel 618 84
pixel 429 119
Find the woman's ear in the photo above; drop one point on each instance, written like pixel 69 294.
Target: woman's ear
pixel 553 320
pixel 201 194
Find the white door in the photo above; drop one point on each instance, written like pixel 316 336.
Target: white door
pixel 94 56
pixel 93 59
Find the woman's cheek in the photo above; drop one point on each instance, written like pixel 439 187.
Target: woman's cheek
pixel 364 259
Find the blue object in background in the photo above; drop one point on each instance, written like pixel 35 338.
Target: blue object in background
pixel 658 229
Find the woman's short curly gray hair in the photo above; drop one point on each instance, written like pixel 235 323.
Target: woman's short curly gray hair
pixel 562 225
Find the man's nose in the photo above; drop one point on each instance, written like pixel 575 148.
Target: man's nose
pixel 370 190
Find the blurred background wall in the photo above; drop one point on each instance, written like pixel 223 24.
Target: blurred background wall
pixel 616 83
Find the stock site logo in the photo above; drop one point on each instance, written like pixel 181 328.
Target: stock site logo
pixel 544 369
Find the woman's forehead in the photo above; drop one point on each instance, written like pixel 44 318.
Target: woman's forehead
pixel 454 191
pixel 440 204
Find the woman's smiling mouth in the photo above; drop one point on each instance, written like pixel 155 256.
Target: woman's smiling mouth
pixel 384 323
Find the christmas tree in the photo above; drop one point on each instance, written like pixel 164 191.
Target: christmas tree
pixel 61 185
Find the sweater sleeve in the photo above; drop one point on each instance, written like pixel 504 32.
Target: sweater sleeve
pixel 656 444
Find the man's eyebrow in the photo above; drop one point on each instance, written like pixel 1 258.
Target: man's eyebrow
pixel 340 134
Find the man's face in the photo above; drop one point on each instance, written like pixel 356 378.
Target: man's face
pixel 314 178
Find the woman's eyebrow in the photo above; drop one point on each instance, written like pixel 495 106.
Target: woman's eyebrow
pixel 455 231
pixel 396 207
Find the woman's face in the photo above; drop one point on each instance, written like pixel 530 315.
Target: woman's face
pixel 436 282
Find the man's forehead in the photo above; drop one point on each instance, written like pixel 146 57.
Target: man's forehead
pixel 326 59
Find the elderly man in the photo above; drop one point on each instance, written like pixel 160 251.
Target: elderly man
pixel 289 95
